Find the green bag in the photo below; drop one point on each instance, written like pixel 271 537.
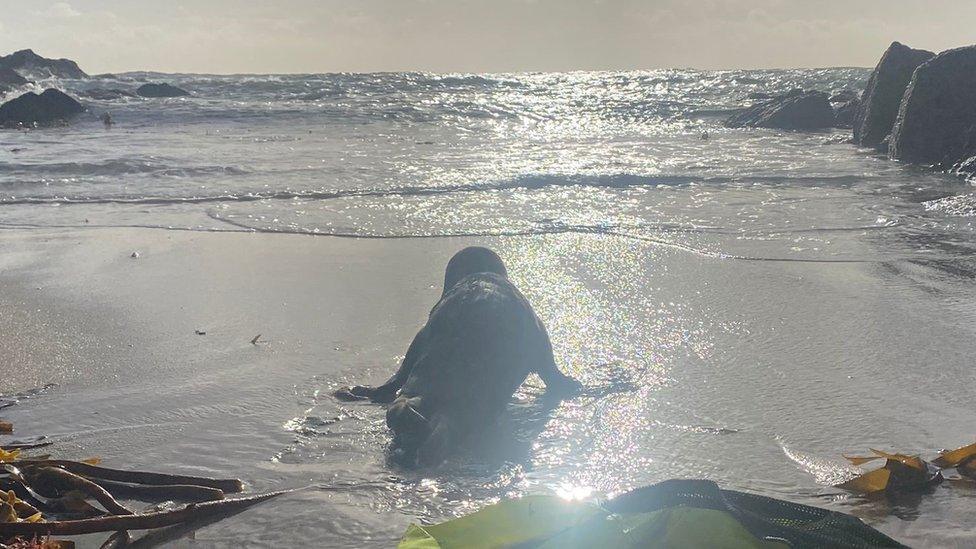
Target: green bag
pixel 672 514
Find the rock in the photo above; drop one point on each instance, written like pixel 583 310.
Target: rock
pixel 160 90
pixel 796 110
pixel 884 91
pixel 28 63
pixel 843 96
pixel 10 79
pixel 108 94
pixel 845 113
pixel 966 165
pixel 46 108
pixel 936 121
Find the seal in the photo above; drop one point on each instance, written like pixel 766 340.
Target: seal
pixel 481 341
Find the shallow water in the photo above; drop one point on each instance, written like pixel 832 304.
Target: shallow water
pixel 744 308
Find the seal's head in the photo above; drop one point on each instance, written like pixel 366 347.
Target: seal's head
pixel 472 260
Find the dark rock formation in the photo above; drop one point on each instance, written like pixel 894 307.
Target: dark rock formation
pixel 160 90
pixel 796 110
pixel 33 109
pixel 28 63
pixel 10 79
pixel 845 113
pixel 937 115
pixel 883 93
pixel 108 94
pixel 843 96
pixel 967 166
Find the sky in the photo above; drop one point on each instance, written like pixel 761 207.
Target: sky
pixel 307 36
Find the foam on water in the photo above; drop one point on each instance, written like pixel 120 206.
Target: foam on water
pixel 414 154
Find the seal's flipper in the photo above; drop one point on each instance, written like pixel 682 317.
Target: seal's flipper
pixel 563 386
pixel 349 394
pixel 382 394
pixel 389 389
pixel 405 419
pixel 441 440
pixel 557 383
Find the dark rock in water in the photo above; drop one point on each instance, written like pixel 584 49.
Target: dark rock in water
pixel 28 63
pixel 46 108
pixel 845 113
pixel 967 166
pixel 108 94
pixel 160 90
pixel 106 76
pixel 795 110
pixel 843 96
pixel 884 91
pixel 763 96
pixel 938 113
pixel 10 79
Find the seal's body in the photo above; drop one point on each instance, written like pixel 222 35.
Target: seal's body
pixel 481 341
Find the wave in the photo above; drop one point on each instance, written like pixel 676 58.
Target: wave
pixel 527 182
pixel 542 230
pixel 625 97
pixel 119 167
pixel 963 205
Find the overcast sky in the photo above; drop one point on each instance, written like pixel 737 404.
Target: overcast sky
pixel 230 36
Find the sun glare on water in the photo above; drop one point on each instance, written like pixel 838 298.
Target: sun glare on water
pixel 572 492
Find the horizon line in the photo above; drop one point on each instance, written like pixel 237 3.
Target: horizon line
pixel 448 73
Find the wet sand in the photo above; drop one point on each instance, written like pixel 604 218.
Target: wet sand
pixel 81 311
pixel 756 374
pixel 137 386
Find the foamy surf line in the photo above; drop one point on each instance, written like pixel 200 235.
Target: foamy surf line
pixel 528 183
pixel 237 227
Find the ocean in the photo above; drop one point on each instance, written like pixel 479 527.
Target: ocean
pixel 746 307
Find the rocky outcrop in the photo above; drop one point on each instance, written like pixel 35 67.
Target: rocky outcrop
pixel 31 65
pixel 967 166
pixel 160 90
pixel 883 93
pixel 843 96
pixel 938 113
pixel 845 112
pixel 113 94
pixel 32 109
pixel 796 110
pixel 10 79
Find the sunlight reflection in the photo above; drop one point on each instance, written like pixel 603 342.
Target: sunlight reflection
pixel 572 492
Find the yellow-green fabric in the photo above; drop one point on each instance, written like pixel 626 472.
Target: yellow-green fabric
pixel 547 522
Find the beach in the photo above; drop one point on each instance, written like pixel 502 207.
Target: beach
pixel 695 386
pixel 192 283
